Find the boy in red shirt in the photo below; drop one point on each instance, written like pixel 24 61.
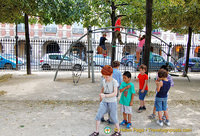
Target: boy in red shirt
pixel 143 87
pixel 117 30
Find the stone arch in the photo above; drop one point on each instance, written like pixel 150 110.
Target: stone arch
pixel 177 52
pixel 22 49
pixel 197 51
pixel 129 48
pixel 156 48
pixel 79 50
pixel 50 47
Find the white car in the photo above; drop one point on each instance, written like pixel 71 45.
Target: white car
pixel 52 60
pixel 99 59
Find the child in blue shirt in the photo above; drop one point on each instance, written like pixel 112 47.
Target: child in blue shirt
pixel 126 100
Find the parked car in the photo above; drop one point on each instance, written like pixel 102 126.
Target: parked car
pixel 12 56
pixel 193 64
pixel 155 62
pixel 128 60
pixel 99 59
pixel 52 60
pixel 8 63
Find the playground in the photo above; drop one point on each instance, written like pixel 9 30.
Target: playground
pixel 36 105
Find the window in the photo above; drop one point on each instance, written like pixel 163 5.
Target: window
pixel 158 59
pixel 67 58
pixel 156 31
pixel 193 60
pixel 178 34
pixel 77 28
pixel 55 57
pixel 21 27
pixel 52 28
pixel 130 31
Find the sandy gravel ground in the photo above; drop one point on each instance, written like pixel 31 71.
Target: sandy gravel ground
pixel 35 105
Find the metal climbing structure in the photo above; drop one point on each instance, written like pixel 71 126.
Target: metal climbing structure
pixel 76 73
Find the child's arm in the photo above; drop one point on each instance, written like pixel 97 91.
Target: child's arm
pixel 109 95
pixel 132 97
pixel 102 91
pixel 159 85
pixel 145 84
pixel 127 87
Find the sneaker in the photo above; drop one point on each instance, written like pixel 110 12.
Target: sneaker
pixel 163 118
pixel 116 134
pixel 128 125
pixel 102 119
pixel 152 116
pixel 110 122
pixel 123 123
pixel 143 108
pixel 136 61
pixel 94 134
pixel 166 122
pixel 160 123
pixel 140 109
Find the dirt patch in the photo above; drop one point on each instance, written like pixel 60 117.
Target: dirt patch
pixel 3 93
pixel 5 77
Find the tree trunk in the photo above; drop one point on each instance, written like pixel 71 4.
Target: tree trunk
pixel 149 5
pixel 113 19
pixel 188 51
pixel 16 45
pixel 27 45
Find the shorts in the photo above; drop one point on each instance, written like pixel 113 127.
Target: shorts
pixel 161 104
pixel 138 49
pixel 142 95
pixel 110 108
pixel 126 109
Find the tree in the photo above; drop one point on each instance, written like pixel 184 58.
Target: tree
pixel 149 5
pixel 105 13
pixel 182 17
pixel 49 11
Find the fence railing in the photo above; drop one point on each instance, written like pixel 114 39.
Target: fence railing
pixel 45 54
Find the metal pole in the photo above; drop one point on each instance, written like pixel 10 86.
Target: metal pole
pixel 168 54
pixel 16 37
pixel 91 52
pixel 88 39
pixel 125 45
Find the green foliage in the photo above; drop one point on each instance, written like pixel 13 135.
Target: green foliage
pixel 178 15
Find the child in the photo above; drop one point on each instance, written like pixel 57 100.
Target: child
pixel 163 86
pixel 102 44
pixel 127 89
pixel 117 76
pixel 139 47
pixel 143 87
pixel 152 116
pixel 108 100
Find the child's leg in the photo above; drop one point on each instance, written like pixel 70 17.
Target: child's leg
pixel 154 110
pixel 117 126
pixel 97 125
pixel 160 115
pixel 138 56
pixel 129 118
pixel 125 116
pixel 166 115
pixel 141 103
